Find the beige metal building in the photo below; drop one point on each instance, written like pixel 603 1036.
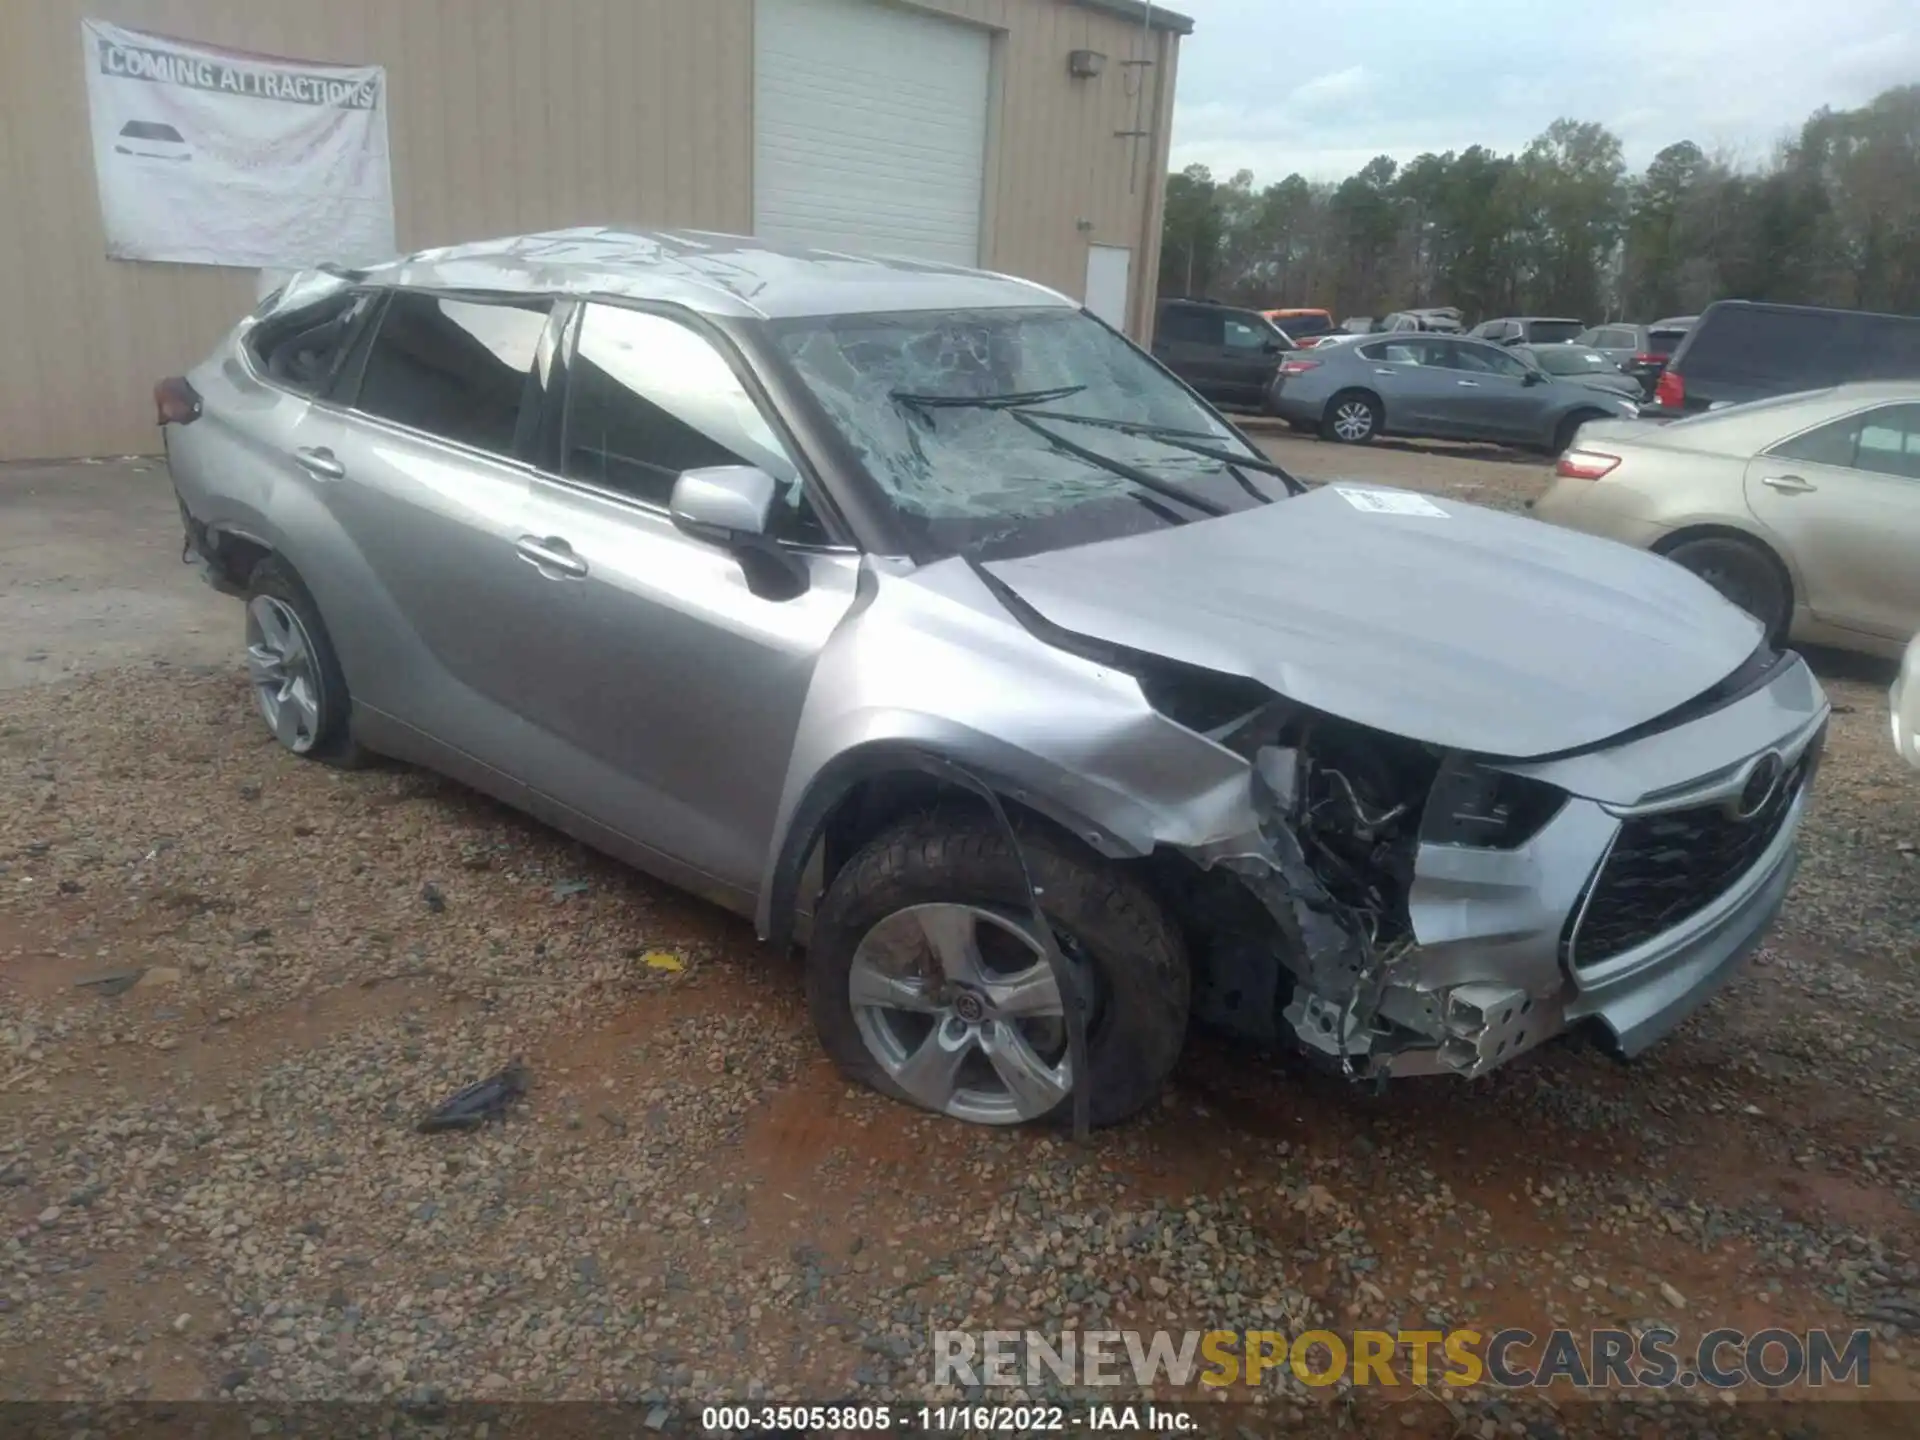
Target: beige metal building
pixel 1028 136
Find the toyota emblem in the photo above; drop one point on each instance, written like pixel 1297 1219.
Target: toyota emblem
pixel 1761 788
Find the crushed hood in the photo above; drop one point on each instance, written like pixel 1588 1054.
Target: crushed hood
pixel 1442 622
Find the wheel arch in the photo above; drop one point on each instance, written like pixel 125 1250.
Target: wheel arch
pixel 1568 425
pixel 1366 393
pixel 1721 530
pixel 866 788
pixel 235 553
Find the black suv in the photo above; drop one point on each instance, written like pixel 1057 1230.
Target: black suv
pixel 1742 350
pixel 1228 355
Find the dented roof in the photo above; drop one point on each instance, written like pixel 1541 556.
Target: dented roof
pixel 711 272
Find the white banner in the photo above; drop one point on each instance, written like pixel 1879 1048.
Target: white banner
pixel 218 157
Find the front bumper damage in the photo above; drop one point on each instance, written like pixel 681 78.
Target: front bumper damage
pixel 1589 923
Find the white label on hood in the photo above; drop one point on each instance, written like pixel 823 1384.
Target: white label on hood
pixel 1391 502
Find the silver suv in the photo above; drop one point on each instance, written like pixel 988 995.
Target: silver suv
pixel 914 612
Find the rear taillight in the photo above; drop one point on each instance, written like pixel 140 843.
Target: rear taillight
pixel 1586 465
pixel 1647 357
pixel 1298 367
pixel 175 401
pixel 1671 391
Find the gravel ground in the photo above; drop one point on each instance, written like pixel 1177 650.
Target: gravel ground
pixel 231 982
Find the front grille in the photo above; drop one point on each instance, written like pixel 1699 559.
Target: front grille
pixel 1667 867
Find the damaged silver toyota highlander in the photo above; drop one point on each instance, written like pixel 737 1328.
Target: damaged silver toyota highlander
pixel 917 614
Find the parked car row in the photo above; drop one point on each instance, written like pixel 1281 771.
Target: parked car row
pixel 1743 350
pixel 1641 351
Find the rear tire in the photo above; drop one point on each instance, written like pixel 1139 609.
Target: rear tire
pixel 297 682
pixel 1746 573
pixel 956 869
pixel 1353 417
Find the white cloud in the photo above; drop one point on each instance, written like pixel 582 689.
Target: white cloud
pixel 1400 77
pixel 1333 87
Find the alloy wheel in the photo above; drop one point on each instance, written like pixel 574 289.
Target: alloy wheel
pixel 284 672
pixel 1745 586
pixel 1353 420
pixel 958 1004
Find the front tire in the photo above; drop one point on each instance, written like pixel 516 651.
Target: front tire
pixel 926 982
pixel 297 682
pixel 1352 417
pixel 1745 574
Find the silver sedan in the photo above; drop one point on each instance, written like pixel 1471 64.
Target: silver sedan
pixel 1444 387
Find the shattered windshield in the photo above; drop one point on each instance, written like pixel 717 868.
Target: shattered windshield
pixel 974 424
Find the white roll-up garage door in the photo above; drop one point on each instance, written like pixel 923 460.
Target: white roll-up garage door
pixel 870 128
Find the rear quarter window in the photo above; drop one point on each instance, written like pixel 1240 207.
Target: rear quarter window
pixel 303 349
pixel 1768 348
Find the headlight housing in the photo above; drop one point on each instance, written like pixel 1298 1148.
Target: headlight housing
pixel 1473 804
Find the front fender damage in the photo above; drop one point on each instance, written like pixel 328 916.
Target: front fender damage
pixel 1282 840
pixel 1327 843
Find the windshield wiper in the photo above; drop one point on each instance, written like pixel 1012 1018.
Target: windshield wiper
pixel 1182 440
pixel 1013 399
pixel 1139 477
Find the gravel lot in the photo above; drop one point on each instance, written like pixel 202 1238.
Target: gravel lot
pixel 212 1186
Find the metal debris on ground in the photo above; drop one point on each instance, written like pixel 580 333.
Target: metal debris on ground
pixel 479 1103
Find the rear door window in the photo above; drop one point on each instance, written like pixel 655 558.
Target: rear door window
pixel 1885 441
pixel 1475 358
pixel 1890 442
pixel 460 370
pixel 1830 444
pixel 1396 352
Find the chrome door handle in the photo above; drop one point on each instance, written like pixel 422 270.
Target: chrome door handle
pixel 1789 484
pixel 551 556
pixel 1469 384
pixel 1382 371
pixel 319 463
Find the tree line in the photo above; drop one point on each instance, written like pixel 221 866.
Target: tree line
pixel 1563 228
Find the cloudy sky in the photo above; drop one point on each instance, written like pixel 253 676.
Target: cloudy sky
pixel 1322 86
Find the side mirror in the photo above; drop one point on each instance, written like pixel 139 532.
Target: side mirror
pixel 731 506
pixel 1535 377
pixel 723 503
